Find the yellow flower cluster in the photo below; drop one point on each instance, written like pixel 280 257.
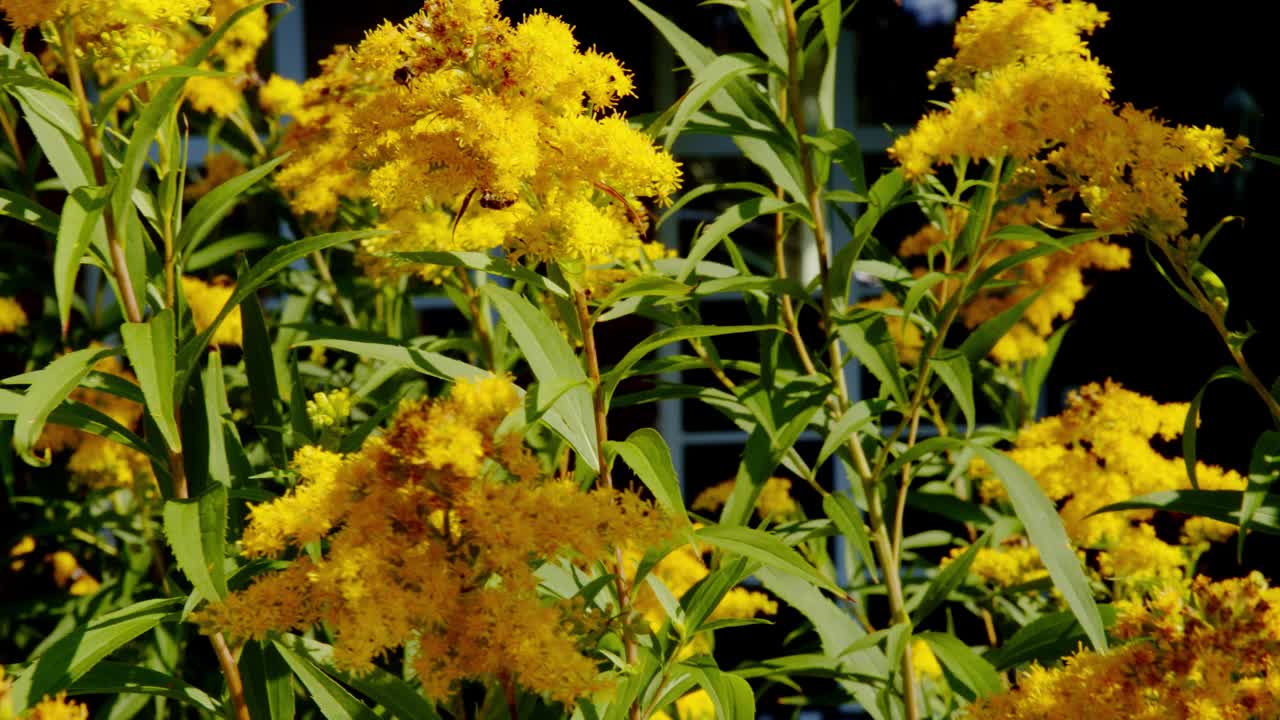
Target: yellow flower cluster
pixel 429 534
pixel 1028 90
pixel 97 462
pixel 12 317
pixel 124 39
pixel 457 111
pixel 923 661
pixel 1098 452
pixel 1005 566
pixel 774 502
pixel 206 300
pixel 219 167
pixel 329 409
pixel 280 96
pixel 1057 277
pixel 1208 653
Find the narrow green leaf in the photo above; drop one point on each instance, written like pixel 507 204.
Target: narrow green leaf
pixel 196 530
pixel 266 269
pixel 723 70
pixel 261 372
pixel 1044 640
pixel 112 678
pixel 615 374
pixel 223 248
pixel 333 700
pixel 883 196
pixel 400 699
pixel 648 455
pixel 68 659
pixel 948 578
pixel 868 338
pixel 20 207
pixel 551 359
pixel 858 415
pixel 967 666
pixel 151 352
pixel 209 210
pixel 953 369
pixel 1264 469
pixel 729 221
pixel 80 224
pixel 49 387
pixel 1229 372
pixel 985 336
pixel 765 548
pixel 848 519
pixel 1222 505
pixel 215 408
pixel 1044 527
pixel 730 695
pixel 486 263
pixel 268 682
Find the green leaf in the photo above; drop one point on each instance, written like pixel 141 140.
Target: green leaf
pixel 334 702
pixel 58 135
pixel 151 346
pixel 68 659
pixel 618 372
pixel 648 455
pixel 765 548
pixel 1264 469
pixel 224 248
pixel 196 530
pixel 268 682
pixel 209 210
pixel 399 698
pixel 80 225
pixel 49 387
pixel 881 198
pixel 1044 640
pixel 848 519
pixel 1037 371
pixel 261 372
pixel 486 263
pixel 552 360
pixel 858 415
pixel 968 667
pixel 20 207
pixel 985 336
pixel 729 221
pixel 844 149
pixel 113 678
pixel 266 269
pixel 1222 505
pixel 423 361
pixel 1229 372
pixel 730 695
pixel 703 598
pixel 950 577
pixel 215 408
pixel 1044 527
pixel 868 338
pixel 720 72
pixel 953 369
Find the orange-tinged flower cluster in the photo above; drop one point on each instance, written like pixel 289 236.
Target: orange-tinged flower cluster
pixel 1099 452
pixel 12 317
pixel 1056 279
pixel 1027 90
pixel 1207 653
pixel 429 535
pixel 457 111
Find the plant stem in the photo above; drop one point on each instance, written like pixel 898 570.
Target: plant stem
pixel 1217 316
pixel 479 322
pixel 322 267
pixel 119 265
pixel 11 133
pixel 235 685
pixel 884 550
pixel 605 478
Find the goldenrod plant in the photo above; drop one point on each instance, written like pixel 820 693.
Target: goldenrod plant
pixel 250 480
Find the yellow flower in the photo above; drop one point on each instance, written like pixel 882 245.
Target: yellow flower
pixel 430 534
pixel 329 409
pixel 68 574
pixel 12 317
pixel 206 300
pixel 58 708
pixel 280 96
pixel 923 661
pixel 906 335
pixel 457 108
pixel 1004 566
